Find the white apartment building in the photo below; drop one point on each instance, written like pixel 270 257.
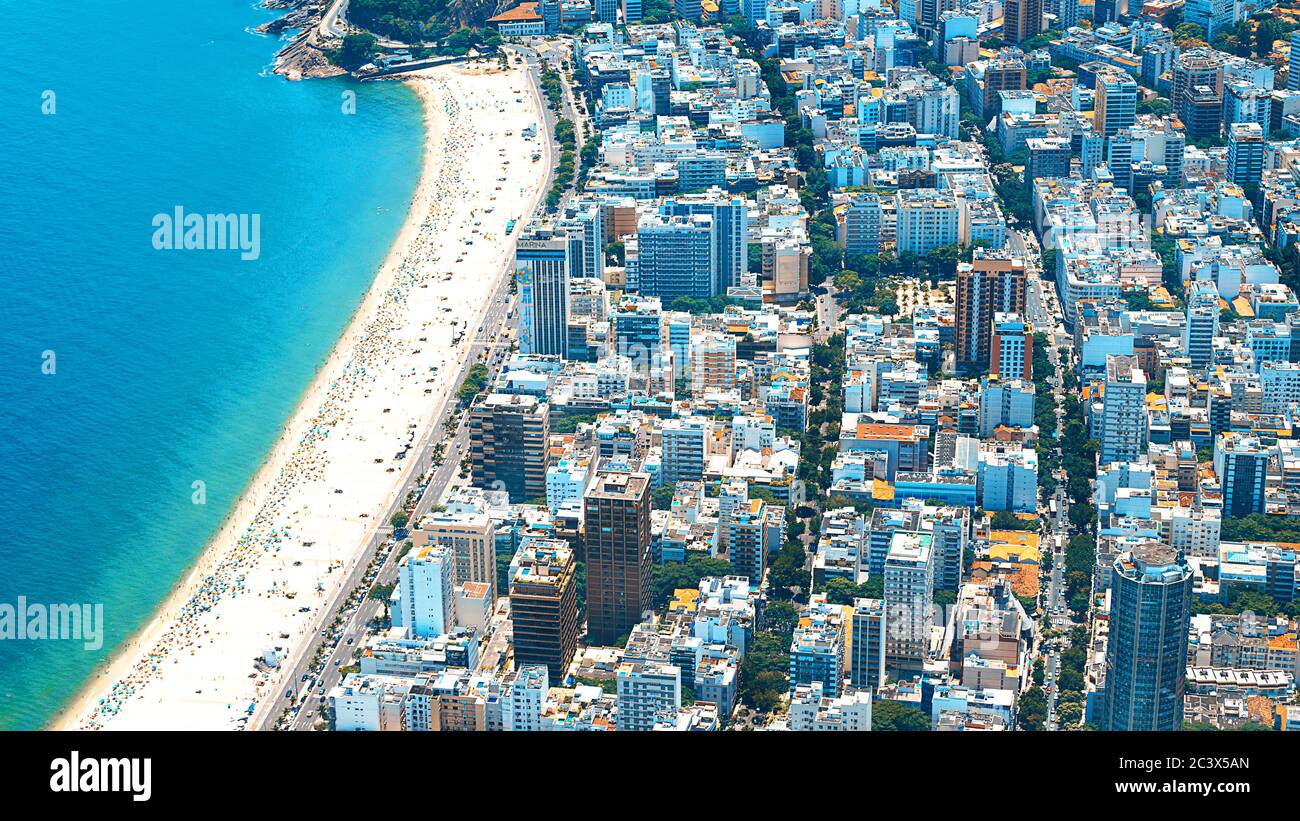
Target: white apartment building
pixel 909 586
pixel 927 219
pixel 646 689
pixel 522 698
pixel 1195 531
pixel 1008 478
pixel 1124 422
pixel 811 711
pixel 685 448
pixel 567 480
pixel 425 583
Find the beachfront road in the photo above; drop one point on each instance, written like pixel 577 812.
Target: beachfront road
pixel 490 345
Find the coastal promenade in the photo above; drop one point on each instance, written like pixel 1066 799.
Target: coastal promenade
pixel 489 347
pixel 302 537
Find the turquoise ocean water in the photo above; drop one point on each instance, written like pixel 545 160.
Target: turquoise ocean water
pixel 170 367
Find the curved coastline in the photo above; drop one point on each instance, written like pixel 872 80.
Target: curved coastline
pixel 235 520
pixel 130 655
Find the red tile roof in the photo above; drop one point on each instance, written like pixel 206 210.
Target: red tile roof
pixel 522 13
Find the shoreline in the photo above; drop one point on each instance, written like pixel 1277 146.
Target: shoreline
pixel 262 479
pixel 396 271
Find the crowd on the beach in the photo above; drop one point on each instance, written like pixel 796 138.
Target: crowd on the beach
pixel 374 352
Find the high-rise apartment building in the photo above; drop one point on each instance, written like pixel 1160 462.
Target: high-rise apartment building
pixel 992 282
pixel 542 272
pixel 1246 154
pixel 862 224
pixel 688 9
pixel 685 448
pixel 544 606
pixel 817 647
pixel 1195 85
pixel 507 444
pixel 1069 15
pixel 1241 464
pixel 1000 74
pixel 951 529
pixel 867 659
pixel 1213 16
pixel 730 228
pixel 607 11
pixel 1293 63
pixel 1124 421
pixel 713 362
pixel 1146 647
pixel 1013 347
pixel 425 577
pixel 909 591
pixel 585 222
pixel 1021 20
pixel 1047 158
pixel 617 539
pixel 1202 322
pixel 927 219
pixel 471 537
pixel 1005 403
pixel 746 539
pixel 673 256
pixel 1116 101
pixel 646 690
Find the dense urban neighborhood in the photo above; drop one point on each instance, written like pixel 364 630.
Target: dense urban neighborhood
pixel 930 367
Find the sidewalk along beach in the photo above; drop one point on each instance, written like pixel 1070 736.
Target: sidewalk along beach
pixel 304 520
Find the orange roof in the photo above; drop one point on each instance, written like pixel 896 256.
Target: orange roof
pixel 1283 642
pixel 1023 577
pixel 1016 537
pixel 902 433
pixel 524 12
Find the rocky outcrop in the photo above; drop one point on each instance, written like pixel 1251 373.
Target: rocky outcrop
pixel 477 12
pixel 304 56
pixel 298 14
pixel 303 59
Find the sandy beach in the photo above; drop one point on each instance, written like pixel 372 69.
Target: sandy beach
pixel 305 518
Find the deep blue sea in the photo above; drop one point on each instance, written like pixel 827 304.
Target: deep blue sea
pixel 170 367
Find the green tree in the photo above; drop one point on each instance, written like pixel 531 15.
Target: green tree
pixel 1031 713
pixel 780 618
pixel 671 576
pixel 894 716
pixel 662 497
pixel 382 593
pixel 356 51
pixel 475 381
pixel 765 672
pixel 1006 520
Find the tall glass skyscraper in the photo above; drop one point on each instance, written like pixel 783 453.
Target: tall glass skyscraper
pixel 1146 650
pixel 542 270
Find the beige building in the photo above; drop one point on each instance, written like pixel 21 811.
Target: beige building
pixel 713 363
pixel 471 537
